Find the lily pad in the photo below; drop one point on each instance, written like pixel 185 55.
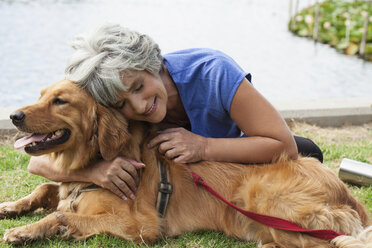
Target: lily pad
pixel 341 24
pixel 352 49
pixel 303 33
pixel 342 46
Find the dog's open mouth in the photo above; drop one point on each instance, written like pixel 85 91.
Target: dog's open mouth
pixel 37 142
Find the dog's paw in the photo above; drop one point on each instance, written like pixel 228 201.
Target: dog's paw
pixel 18 235
pixel 8 210
pixel 270 245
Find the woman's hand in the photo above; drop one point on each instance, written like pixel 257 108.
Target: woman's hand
pixel 180 145
pixel 119 176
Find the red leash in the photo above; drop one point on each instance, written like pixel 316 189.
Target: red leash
pixel 268 220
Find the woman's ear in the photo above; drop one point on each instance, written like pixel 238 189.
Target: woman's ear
pixel 113 132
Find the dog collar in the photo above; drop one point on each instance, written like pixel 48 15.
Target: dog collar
pixel 76 192
pixel 164 191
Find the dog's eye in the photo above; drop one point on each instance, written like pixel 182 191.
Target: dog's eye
pixel 58 101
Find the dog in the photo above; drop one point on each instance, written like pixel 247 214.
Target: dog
pixel 74 130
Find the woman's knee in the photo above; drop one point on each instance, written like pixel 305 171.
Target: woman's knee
pixel 306 147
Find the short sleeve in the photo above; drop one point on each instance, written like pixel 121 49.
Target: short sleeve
pixel 227 75
pixel 207 81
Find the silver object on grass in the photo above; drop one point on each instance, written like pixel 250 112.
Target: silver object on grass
pixel 355 172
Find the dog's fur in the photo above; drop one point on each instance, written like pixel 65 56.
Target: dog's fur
pixel 302 191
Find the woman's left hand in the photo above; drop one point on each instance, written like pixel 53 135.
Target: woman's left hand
pixel 180 145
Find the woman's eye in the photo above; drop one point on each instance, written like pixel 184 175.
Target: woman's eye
pixel 139 88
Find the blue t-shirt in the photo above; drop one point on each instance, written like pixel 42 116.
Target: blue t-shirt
pixel 207 81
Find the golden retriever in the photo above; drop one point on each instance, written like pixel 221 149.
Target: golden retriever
pixel 73 129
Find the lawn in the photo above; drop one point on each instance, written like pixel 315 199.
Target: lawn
pixel 354 142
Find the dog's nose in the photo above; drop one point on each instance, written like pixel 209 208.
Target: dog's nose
pixel 17 117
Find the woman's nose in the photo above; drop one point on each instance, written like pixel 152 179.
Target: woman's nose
pixel 138 104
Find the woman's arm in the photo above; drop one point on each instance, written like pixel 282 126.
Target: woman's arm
pixel 119 176
pixel 268 136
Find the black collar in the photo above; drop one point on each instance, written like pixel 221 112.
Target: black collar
pixel 76 192
pixel 164 191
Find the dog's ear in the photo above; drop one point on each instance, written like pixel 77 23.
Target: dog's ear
pixel 112 132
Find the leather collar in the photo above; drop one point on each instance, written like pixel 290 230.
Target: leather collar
pixel 76 192
pixel 164 191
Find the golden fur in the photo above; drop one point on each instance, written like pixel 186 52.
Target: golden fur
pixel 302 191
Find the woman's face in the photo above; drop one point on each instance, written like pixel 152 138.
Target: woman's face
pixel 145 99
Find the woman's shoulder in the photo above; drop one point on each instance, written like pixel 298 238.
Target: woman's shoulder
pixel 198 52
pixel 196 59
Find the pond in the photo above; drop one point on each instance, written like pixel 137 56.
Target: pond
pixel 35 35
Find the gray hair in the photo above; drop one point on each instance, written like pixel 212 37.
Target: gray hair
pixel 102 55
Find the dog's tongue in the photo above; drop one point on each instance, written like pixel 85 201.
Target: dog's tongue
pixel 22 142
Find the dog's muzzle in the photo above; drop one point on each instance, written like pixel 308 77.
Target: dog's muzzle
pixel 17 117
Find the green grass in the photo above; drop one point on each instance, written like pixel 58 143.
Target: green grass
pixel 16 182
pixel 360 151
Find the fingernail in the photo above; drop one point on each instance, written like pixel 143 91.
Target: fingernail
pixel 132 196
pixel 140 164
pixel 124 198
pixel 148 146
pixel 136 162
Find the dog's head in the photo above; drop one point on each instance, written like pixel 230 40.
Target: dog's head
pixel 71 126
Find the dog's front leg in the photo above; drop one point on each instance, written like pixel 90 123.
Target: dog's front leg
pixel 82 227
pixel 44 196
pixel 46 227
pixel 127 227
pixel 269 245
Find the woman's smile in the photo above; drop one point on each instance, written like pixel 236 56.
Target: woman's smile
pixel 152 109
pixel 145 99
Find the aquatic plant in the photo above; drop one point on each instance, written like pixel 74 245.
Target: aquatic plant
pixel 341 24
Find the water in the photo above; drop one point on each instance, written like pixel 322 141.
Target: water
pixel 34 37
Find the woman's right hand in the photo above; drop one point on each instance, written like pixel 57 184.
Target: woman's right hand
pixel 119 176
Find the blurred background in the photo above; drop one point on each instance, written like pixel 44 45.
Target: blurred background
pixel 35 36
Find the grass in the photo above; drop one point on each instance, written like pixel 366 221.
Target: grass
pixel 354 142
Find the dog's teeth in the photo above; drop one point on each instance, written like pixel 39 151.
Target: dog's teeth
pixel 33 144
pixel 58 132
pixel 48 139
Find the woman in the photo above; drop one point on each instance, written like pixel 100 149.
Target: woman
pixel 200 97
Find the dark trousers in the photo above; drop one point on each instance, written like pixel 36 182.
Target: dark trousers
pixel 308 148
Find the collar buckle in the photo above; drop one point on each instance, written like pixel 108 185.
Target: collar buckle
pixel 165 188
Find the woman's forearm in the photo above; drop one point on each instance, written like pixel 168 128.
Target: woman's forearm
pixel 43 166
pixel 119 176
pixel 248 149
